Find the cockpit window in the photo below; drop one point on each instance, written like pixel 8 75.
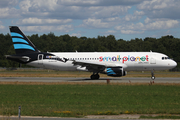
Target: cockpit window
pixel 165 58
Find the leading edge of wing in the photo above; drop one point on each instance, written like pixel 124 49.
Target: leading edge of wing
pixel 95 64
pixel 86 63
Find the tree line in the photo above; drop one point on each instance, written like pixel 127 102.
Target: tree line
pixel 65 43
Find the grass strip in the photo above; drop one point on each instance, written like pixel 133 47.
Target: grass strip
pixel 88 99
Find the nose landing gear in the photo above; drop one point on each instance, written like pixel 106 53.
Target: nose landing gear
pixel 152 75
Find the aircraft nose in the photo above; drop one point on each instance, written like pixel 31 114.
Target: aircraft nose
pixel 173 64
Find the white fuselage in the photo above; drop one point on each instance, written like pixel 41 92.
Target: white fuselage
pixel 141 61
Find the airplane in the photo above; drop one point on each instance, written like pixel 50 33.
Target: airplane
pixel 115 64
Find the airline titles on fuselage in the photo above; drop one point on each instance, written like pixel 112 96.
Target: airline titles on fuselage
pixel 125 58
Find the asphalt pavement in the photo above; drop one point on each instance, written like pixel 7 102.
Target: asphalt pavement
pixel 101 80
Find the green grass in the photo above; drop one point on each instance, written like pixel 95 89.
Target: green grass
pixel 74 100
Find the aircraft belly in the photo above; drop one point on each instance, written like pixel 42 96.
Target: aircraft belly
pixel 146 67
pixel 55 65
pixel 139 66
pixel 58 65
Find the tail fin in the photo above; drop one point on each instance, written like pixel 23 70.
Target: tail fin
pixel 22 44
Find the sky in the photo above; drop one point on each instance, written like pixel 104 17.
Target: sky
pixel 125 19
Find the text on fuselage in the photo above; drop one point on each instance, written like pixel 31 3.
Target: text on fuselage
pixel 124 59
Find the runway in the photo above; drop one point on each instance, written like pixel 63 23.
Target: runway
pixel 101 80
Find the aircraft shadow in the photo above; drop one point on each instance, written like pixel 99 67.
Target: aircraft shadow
pixel 88 79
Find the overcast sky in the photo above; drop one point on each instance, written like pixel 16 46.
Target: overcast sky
pixel 125 19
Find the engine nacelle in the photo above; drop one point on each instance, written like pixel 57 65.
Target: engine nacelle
pixel 115 71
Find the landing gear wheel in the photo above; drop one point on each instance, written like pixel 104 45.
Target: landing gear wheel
pixel 153 77
pixel 94 76
pixel 97 76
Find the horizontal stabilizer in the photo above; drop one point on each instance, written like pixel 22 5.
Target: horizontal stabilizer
pixel 18 58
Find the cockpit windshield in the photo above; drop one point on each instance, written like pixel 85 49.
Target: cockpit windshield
pixel 165 58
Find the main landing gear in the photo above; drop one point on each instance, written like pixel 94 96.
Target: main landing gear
pixel 94 76
pixel 152 75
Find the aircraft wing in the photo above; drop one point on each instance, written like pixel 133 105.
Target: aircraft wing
pixel 95 67
pixel 90 66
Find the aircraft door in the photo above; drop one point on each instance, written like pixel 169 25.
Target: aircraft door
pixel 40 59
pixel 153 60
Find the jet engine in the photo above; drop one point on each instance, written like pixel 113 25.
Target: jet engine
pixel 115 71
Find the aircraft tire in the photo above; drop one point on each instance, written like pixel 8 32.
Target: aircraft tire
pixel 153 77
pixel 93 77
pixel 97 76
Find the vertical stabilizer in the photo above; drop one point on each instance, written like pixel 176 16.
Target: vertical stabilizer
pixel 22 44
